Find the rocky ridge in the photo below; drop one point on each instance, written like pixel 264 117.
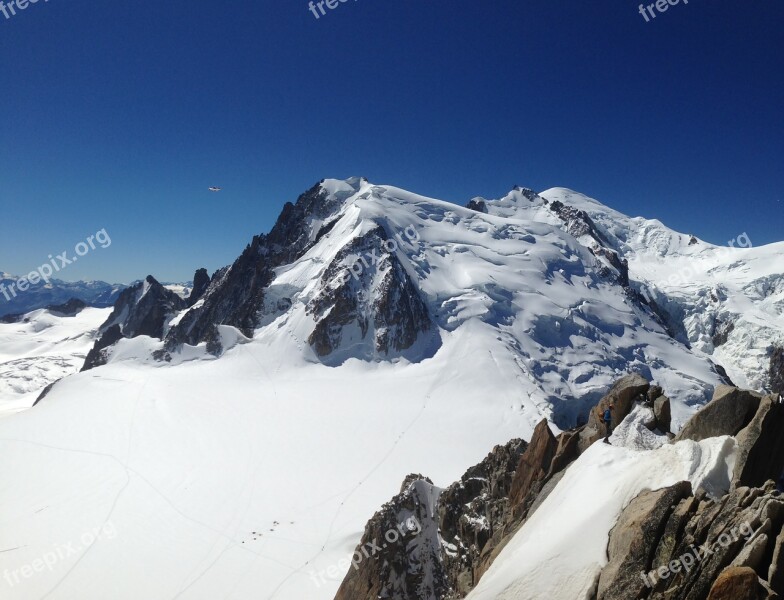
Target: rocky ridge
pixel 741 531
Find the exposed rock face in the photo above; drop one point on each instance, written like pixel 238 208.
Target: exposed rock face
pixel 477 204
pixel 539 469
pixel 722 331
pixel 96 356
pixel 761 445
pixel 368 299
pixel 633 541
pixel 472 512
pixel 578 222
pixel 201 281
pixel 456 523
pixel 776 370
pixel 661 410
pixel 776 569
pixel 142 309
pixel 621 396
pixel 45 392
pixel 533 467
pixel 69 309
pixel 399 555
pixel 477 516
pixel 688 541
pixel 727 413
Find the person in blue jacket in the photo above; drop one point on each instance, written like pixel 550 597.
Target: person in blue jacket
pixel 607 420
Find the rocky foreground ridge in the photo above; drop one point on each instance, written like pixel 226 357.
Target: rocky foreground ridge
pixel 735 542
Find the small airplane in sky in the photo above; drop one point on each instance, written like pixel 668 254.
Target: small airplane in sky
pixel 215 189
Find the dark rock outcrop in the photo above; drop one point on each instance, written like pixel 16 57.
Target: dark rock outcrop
pixel 68 309
pixel 455 525
pixel 142 309
pixel 477 204
pixel 398 556
pixel 662 412
pixel 371 298
pixel 11 318
pixel 96 356
pixel 776 370
pixel 760 454
pixel 727 413
pixel 776 569
pixel 721 332
pixel 578 223
pixel 201 281
pixel 668 544
pixel 471 514
pixel 45 392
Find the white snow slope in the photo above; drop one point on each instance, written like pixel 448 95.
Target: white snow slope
pixel 236 477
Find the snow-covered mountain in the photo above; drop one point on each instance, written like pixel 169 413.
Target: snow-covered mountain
pixel 237 441
pixel 41 294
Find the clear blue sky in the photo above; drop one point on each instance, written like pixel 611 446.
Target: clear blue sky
pixel 119 115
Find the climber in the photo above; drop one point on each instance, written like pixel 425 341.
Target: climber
pixel 607 420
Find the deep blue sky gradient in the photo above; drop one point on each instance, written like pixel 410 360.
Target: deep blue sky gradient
pixel 119 115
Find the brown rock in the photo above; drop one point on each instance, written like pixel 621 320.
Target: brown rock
pixel 533 466
pixel 661 410
pixel 736 583
pixel 730 410
pixel 776 570
pixel 637 531
pixel 761 446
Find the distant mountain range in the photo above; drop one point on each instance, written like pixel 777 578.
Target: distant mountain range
pixel 40 295
pixel 99 294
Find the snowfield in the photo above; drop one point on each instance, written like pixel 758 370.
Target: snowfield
pixel 237 477
pixel 40 350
